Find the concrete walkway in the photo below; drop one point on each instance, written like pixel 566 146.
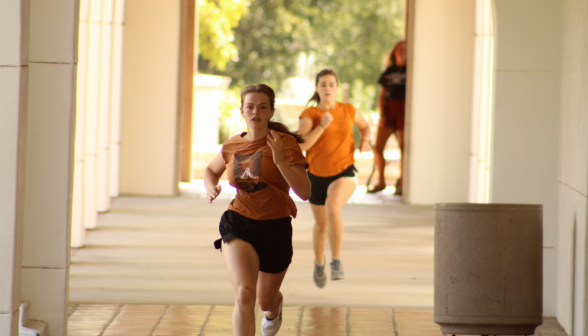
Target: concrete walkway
pixel 150 268
pixel 159 251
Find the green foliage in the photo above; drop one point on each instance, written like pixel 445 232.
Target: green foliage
pixel 348 35
pixel 363 97
pixel 217 20
pixel 230 122
pixel 353 37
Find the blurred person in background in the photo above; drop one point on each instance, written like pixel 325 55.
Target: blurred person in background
pixel 327 129
pixel 391 103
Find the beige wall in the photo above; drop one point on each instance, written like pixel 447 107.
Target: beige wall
pixel 150 106
pixel 439 100
pixel 524 166
pixel 572 295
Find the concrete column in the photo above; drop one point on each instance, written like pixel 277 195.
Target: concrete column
pixel 115 98
pixel 91 114
pixel 14 34
pixel 77 226
pixel 525 147
pixel 50 160
pixel 103 141
pixel 572 234
pixel 150 121
pixel 439 100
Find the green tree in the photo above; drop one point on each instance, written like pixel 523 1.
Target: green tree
pixel 348 35
pixel 269 38
pixel 353 37
pixel 216 37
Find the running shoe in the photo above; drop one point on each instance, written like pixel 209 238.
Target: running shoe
pixel 319 276
pixel 271 327
pixel 337 269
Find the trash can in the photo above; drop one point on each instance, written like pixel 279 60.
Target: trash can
pixel 488 268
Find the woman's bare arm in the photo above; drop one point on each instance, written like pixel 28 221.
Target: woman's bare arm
pixel 364 130
pixel 312 135
pixel 295 175
pixel 212 175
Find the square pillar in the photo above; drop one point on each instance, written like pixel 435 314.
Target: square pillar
pixel 50 158
pixel 14 35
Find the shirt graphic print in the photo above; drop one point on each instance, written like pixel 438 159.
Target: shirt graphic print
pixel 247 172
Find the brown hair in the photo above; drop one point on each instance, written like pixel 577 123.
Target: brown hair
pixel 271 95
pixel 325 72
pixel 391 59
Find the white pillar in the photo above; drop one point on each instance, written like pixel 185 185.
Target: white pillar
pixel 150 141
pixel 572 233
pixel 103 154
pixel 91 117
pixel 439 100
pixel 14 20
pixel 115 99
pixel 50 161
pixel 78 215
pixel 525 147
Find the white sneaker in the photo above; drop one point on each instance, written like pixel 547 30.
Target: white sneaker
pixel 271 327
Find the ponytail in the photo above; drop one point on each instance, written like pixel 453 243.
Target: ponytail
pixel 279 127
pixel 315 98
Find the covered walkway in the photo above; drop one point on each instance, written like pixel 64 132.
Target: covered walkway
pixel 149 268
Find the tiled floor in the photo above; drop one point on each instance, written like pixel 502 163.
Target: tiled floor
pixel 196 320
pixel 212 320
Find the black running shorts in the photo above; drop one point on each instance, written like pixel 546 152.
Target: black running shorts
pixel 271 239
pixel 319 185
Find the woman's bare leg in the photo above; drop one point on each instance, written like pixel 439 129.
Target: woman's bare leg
pixel 381 138
pixel 400 139
pixel 269 296
pixel 242 262
pixel 338 194
pixel 319 232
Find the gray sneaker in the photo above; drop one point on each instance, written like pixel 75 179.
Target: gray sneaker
pixel 319 276
pixel 337 269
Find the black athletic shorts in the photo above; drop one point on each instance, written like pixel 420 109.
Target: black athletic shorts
pixel 320 184
pixel 271 239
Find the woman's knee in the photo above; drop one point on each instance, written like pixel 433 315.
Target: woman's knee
pixel 333 209
pixel 321 225
pixel 245 297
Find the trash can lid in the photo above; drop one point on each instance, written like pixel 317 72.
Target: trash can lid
pixel 503 207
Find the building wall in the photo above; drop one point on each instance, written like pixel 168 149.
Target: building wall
pixel 524 165
pixel 572 293
pixel 150 99
pixel 439 100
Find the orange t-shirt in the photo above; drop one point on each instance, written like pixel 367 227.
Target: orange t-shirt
pixel 333 151
pixel 262 191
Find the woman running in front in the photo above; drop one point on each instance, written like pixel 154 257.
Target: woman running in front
pixel 263 164
pixel 328 139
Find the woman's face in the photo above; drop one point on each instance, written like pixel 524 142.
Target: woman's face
pixel 256 109
pixel 400 54
pixel 327 88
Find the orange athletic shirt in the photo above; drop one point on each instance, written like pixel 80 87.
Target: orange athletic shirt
pixel 332 153
pixel 262 191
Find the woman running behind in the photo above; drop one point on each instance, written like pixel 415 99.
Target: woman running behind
pixel 263 164
pixel 328 139
pixel 391 105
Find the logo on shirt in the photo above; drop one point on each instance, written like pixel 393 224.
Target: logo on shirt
pixel 247 172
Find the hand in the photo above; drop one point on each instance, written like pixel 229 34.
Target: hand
pixel 275 143
pixel 364 145
pixel 326 119
pixel 213 193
